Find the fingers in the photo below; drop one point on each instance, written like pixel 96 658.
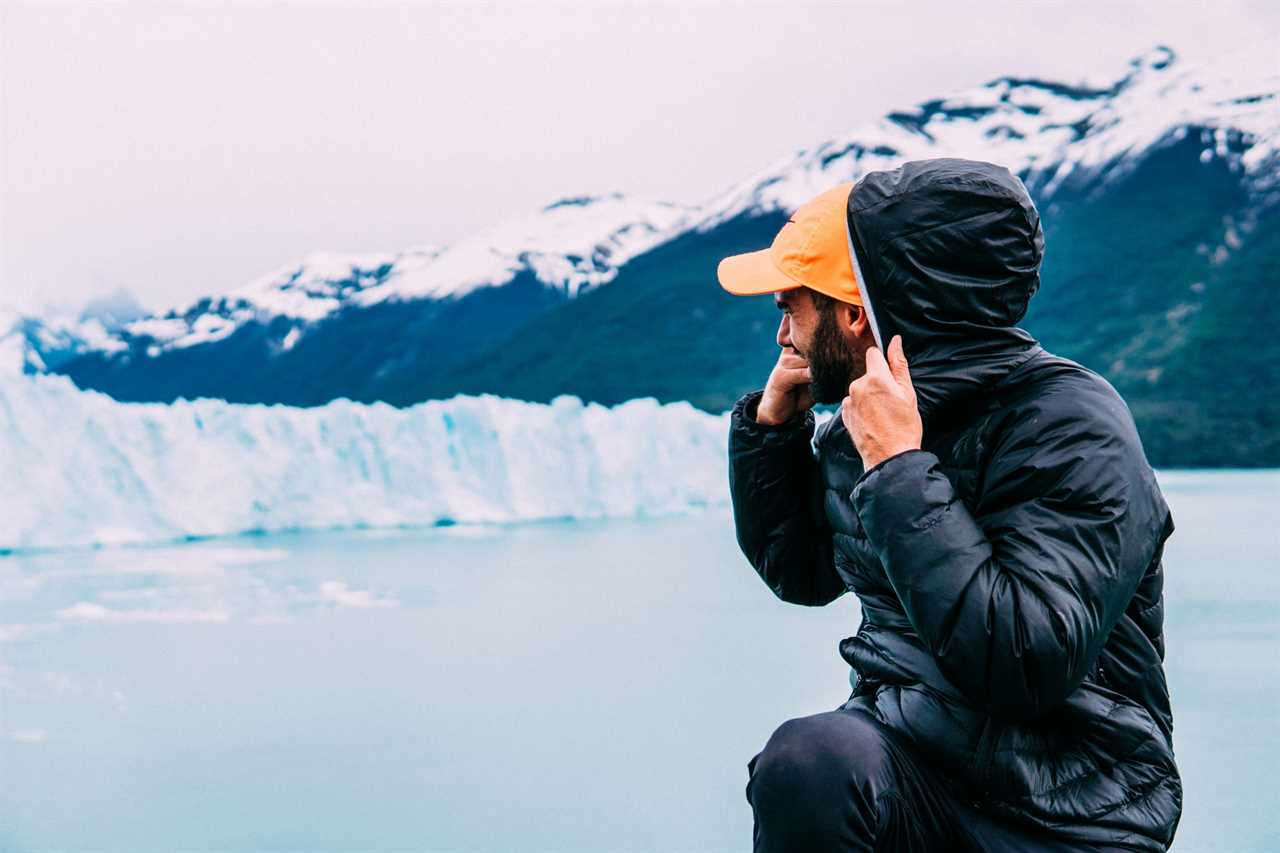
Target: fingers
pixel 799 376
pixel 897 362
pixel 791 358
pixel 894 368
pixel 791 371
pixel 876 365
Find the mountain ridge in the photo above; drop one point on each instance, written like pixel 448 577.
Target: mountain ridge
pixel 435 321
pixel 1046 130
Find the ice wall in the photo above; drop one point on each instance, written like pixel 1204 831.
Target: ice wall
pixel 78 468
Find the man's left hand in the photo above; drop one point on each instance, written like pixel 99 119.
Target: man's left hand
pixel 880 411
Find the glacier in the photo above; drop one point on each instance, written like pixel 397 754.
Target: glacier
pixel 81 469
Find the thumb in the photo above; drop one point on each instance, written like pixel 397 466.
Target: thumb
pixel 898 362
pixel 875 362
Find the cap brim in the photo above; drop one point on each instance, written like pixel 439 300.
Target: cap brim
pixel 752 274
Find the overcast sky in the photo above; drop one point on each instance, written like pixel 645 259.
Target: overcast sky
pixel 183 150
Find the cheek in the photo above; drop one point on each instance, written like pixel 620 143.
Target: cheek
pixel 801 336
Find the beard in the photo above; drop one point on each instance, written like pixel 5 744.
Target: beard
pixel 832 363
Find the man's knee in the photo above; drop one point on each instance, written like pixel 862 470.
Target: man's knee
pixel 828 761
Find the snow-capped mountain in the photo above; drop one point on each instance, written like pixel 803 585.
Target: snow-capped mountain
pixel 1051 133
pixel 1159 198
pixel 571 244
pixel 1156 186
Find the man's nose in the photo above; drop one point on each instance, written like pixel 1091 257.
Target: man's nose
pixel 784 332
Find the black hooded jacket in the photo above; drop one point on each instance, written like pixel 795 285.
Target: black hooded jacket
pixel 1009 571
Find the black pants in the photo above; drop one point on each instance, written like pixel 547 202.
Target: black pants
pixel 841 781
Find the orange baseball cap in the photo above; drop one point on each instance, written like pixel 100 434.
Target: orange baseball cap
pixel 812 250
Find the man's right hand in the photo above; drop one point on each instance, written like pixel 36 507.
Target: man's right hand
pixel 786 394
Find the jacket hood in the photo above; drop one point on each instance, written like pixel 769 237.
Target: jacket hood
pixel 947 254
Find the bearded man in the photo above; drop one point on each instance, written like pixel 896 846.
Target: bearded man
pixel 990 505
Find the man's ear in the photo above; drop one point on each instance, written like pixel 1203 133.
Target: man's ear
pixel 853 320
pixel 862 324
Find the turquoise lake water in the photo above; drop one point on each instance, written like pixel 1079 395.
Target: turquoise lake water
pixel 561 687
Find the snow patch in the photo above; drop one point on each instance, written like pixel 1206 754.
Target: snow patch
pixel 86 611
pixel 338 593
